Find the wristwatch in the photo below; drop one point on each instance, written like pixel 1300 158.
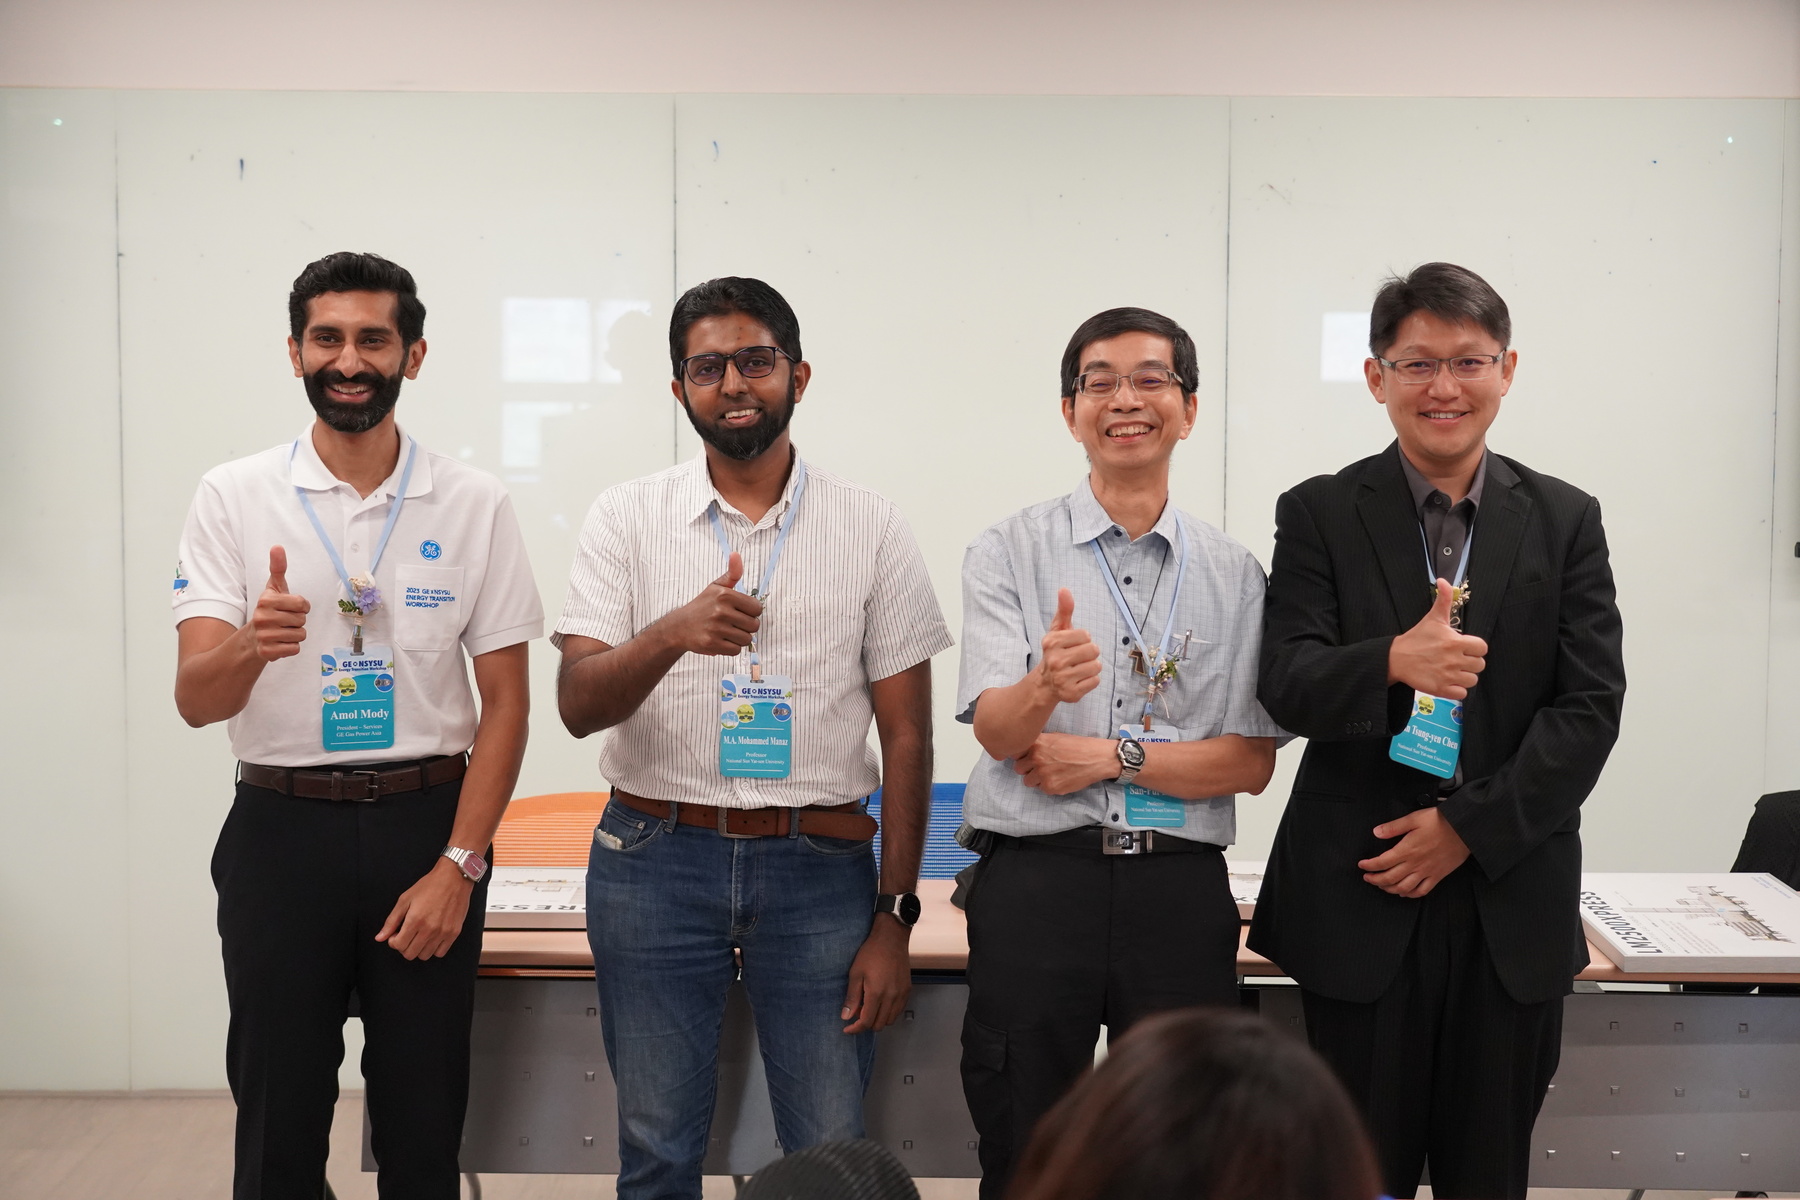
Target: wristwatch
pixel 905 907
pixel 1131 759
pixel 472 865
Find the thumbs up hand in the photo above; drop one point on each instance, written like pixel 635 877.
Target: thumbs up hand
pixel 1433 657
pixel 720 620
pixel 1070 666
pixel 278 624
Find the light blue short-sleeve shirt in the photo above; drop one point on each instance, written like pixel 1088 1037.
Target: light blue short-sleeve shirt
pixel 1011 575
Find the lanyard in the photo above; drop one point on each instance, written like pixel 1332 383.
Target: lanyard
pixel 1152 663
pixel 782 528
pixel 386 530
pixel 1462 566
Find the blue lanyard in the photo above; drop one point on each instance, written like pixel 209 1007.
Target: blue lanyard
pixel 1151 663
pixel 386 530
pixel 782 528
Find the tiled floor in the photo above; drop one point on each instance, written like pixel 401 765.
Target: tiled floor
pixel 177 1146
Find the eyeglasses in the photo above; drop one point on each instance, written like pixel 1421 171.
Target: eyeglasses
pixel 1148 382
pixel 1424 370
pixel 752 362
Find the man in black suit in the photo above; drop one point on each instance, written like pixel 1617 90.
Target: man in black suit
pixel 1440 624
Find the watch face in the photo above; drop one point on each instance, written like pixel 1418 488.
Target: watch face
pixel 908 909
pixel 1131 754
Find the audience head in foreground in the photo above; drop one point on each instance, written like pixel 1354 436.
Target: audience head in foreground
pixel 850 1170
pixel 1202 1104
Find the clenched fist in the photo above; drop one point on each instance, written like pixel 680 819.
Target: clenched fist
pixel 278 624
pixel 1070 667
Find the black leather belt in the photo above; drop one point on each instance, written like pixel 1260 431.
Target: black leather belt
pixel 353 783
pixel 1118 841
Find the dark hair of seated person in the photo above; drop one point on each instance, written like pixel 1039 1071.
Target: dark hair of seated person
pixel 1202 1104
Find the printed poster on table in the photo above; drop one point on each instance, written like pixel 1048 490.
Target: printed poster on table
pixel 1736 923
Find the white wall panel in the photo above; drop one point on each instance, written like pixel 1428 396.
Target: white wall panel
pixel 1637 244
pixel 939 253
pixel 64 994
pixel 223 199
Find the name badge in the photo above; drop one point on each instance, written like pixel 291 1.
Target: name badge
pixel 356 699
pixel 756 726
pixel 1146 808
pixel 1432 739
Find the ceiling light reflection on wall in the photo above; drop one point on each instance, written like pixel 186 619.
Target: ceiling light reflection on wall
pixel 546 340
pixel 1343 345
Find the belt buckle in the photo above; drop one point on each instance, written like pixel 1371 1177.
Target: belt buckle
pixel 374 787
pixel 1125 841
pixel 724 815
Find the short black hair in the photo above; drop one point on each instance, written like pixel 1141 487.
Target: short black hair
pixel 1446 291
pixel 348 271
pixel 1115 321
pixel 733 294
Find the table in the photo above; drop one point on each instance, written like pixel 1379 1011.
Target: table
pixel 1658 1087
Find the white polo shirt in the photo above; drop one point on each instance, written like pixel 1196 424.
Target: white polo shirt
pixel 454 580
pixel 850 602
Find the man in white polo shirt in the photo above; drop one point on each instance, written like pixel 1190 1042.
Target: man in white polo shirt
pixel 326 593
pixel 736 622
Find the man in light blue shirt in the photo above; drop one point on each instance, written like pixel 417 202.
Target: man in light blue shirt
pixel 1109 669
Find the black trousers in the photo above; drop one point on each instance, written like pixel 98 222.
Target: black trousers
pixel 1063 941
pixel 1446 1067
pixel 304 886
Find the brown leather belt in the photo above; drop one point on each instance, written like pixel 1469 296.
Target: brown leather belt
pixel 846 821
pixel 354 784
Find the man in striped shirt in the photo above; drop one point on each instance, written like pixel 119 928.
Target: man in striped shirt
pixel 1109 669
pixel 736 623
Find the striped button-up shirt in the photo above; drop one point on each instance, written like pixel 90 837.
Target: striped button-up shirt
pixel 850 603
pixel 1011 575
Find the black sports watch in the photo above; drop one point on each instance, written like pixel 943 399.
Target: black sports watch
pixel 905 906
pixel 1131 759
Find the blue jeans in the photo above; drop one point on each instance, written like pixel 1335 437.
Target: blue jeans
pixel 666 906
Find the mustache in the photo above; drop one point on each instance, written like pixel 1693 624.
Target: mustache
pixel 331 376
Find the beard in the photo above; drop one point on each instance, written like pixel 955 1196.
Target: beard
pixel 384 393
pixel 752 440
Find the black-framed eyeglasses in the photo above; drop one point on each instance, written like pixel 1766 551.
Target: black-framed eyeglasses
pixel 1148 382
pixel 1424 370
pixel 752 362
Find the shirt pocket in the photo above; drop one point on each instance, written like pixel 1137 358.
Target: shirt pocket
pixel 428 611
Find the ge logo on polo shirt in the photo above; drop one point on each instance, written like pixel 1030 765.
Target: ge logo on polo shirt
pixel 429 550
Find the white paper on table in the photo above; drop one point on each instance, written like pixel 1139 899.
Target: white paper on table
pixel 1246 883
pixel 537 898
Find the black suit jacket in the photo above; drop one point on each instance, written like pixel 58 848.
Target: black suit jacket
pixel 1348 576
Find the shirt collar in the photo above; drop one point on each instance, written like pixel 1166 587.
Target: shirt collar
pixel 1423 490
pixel 309 471
pixel 697 492
pixel 1088 519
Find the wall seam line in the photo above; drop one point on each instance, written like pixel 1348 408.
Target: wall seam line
pixel 1225 371
pixel 124 593
pixel 674 251
pixel 1775 430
